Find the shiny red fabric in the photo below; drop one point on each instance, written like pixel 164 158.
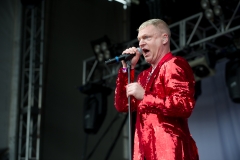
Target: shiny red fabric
pixel 161 129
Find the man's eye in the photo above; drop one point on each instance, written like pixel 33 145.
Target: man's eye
pixel 148 38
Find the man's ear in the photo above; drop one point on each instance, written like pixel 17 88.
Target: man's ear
pixel 165 38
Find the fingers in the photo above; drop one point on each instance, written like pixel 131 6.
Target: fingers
pixel 136 90
pixel 132 87
pixel 131 50
pixel 129 89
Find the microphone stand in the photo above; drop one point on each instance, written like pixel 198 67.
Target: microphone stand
pixel 128 62
pixel 127 58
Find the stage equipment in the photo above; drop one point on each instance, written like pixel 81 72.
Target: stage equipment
pixel 203 66
pixel 126 3
pixel 232 75
pixel 205 4
pixel 214 2
pixel 210 12
pixel 102 48
pixel 217 10
pixel 95 106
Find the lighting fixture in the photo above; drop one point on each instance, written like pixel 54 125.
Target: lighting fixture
pixel 201 69
pixel 126 2
pixel 102 48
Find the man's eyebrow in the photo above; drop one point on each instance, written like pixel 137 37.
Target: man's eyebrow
pixel 144 35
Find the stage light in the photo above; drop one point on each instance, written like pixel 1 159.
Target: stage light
pixel 203 66
pixel 95 106
pixel 102 49
pixel 217 10
pixel 126 2
pixel 209 14
pixel 97 48
pixel 232 75
pixel 205 4
pixel 104 46
pixel 211 11
pixel 214 2
pixel 107 54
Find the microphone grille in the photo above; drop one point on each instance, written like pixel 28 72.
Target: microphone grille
pixel 140 50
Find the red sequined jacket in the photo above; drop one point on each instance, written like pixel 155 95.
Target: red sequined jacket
pixel 161 129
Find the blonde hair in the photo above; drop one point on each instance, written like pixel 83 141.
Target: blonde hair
pixel 158 23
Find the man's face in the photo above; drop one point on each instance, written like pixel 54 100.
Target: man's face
pixel 150 41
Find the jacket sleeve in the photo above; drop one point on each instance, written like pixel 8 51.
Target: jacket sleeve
pixel 173 90
pixel 120 98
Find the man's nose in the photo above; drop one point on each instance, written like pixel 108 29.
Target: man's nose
pixel 141 42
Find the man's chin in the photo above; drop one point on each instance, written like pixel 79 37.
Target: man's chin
pixel 147 60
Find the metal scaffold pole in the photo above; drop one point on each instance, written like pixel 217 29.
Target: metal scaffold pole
pixel 30 102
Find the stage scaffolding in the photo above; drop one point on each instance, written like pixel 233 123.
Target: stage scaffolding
pixel 30 102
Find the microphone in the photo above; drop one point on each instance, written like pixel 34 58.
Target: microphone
pixel 124 57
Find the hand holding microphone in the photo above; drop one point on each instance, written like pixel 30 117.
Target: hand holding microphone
pixel 132 54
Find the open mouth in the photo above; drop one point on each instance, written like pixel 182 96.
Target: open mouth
pixel 145 51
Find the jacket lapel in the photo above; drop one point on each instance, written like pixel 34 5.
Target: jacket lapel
pixel 166 58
